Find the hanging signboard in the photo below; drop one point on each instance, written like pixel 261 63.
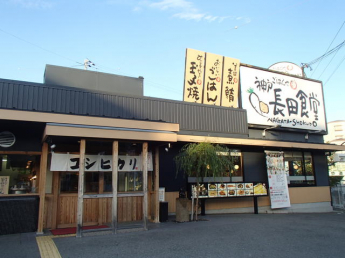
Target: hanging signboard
pixel 231 75
pixel 194 76
pixel 277 180
pixel 213 79
pixel 101 163
pixel 274 99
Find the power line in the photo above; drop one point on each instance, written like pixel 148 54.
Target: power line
pixel 82 64
pixel 328 64
pixel 328 48
pixel 26 41
pixel 324 55
pixel 335 70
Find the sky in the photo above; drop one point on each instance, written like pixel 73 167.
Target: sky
pixel 149 39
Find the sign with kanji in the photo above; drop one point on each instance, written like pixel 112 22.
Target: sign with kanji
pixel 274 99
pixel 213 79
pixel 194 76
pixel 101 163
pixel 231 77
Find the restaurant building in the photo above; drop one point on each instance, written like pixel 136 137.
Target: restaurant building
pixel 99 129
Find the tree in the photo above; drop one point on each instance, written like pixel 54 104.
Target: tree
pixel 203 160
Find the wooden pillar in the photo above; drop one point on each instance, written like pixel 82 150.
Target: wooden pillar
pixel 81 188
pixel 145 202
pixel 114 186
pixel 156 184
pixel 56 190
pixel 42 187
pixel 101 200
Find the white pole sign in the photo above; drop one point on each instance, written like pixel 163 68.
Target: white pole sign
pixel 275 99
pixel 279 191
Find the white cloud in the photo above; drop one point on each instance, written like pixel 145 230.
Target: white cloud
pixel 185 10
pixel 172 4
pixel 33 4
pixel 190 16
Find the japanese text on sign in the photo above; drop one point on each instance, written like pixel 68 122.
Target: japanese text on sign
pixel 273 99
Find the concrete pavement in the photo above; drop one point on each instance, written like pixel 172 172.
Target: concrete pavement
pixel 232 235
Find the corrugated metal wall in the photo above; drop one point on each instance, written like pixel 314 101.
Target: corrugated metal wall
pixel 192 117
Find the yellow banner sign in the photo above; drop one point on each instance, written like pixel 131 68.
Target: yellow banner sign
pixel 194 76
pixel 230 87
pixel 213 79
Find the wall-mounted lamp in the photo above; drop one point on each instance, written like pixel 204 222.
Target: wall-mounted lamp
pixel 273 127
pixel 53 146
pixel 167 148
pixel 307 135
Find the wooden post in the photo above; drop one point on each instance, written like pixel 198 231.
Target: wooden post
pixel 42 187
pixel 145 149
pixel 156 184
pixel 56 189
pixel 101 200
pixel 114 186
pixel 81 188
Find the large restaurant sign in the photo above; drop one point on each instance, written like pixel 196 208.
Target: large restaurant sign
pixel 101 163
pixel 275 99
pixel 211 79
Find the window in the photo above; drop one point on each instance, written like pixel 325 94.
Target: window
pixel 299 168
pixel 236 174
pixel 18 173
pixel 69 182
pixel 338 128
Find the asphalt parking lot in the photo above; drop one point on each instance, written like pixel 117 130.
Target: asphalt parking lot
pixel 231 235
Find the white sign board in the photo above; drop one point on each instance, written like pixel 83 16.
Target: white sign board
pixel 4 184
pixel 94 163
pixel 161 193
pixel 274 99
pixel 287 67
pixel 277 179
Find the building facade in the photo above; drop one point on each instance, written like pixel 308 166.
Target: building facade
pixel 123 147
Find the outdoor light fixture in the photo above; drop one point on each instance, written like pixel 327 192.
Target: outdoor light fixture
pixel 307 135
pixel 264 131
pixel 53 146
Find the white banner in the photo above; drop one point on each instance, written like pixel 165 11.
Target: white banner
pixel 274 99
pixel 94 163
pixel 277 179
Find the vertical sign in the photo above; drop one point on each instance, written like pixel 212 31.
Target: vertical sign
pixel 279 192
pixel 231 75
pixel 194 76
pixel 213 79
pixel 4 184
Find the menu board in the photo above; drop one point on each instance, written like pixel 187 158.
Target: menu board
pixel 4 184
pixel 279 192
pixel 212 190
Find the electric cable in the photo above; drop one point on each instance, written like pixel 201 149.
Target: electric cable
pixel 328 64
pixel 49 51
pixel 329 48
pixel 335 70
